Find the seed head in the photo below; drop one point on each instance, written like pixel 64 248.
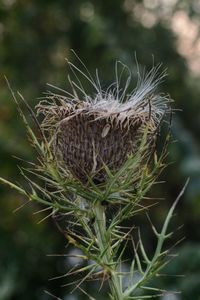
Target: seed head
pixel 91 132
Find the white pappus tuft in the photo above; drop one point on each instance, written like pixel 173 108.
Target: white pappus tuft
pixel 118 99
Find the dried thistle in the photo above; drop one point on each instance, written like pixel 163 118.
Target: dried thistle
pixel 98 148
pixel 93 132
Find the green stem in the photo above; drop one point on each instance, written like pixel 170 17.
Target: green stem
pixel 104 243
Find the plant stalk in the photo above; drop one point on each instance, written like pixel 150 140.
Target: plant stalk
pixel 104 243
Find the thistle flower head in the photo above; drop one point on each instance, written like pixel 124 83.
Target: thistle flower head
pixel 91 132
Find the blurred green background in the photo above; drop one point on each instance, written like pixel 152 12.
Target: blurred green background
pixel 35 38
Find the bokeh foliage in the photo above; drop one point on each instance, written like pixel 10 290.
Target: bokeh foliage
pixel 36 37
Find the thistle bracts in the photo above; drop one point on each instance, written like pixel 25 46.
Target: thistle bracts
pixel 96 150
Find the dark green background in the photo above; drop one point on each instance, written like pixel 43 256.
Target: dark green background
pixel 35 38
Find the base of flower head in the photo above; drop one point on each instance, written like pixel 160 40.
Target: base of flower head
pixel 86 144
